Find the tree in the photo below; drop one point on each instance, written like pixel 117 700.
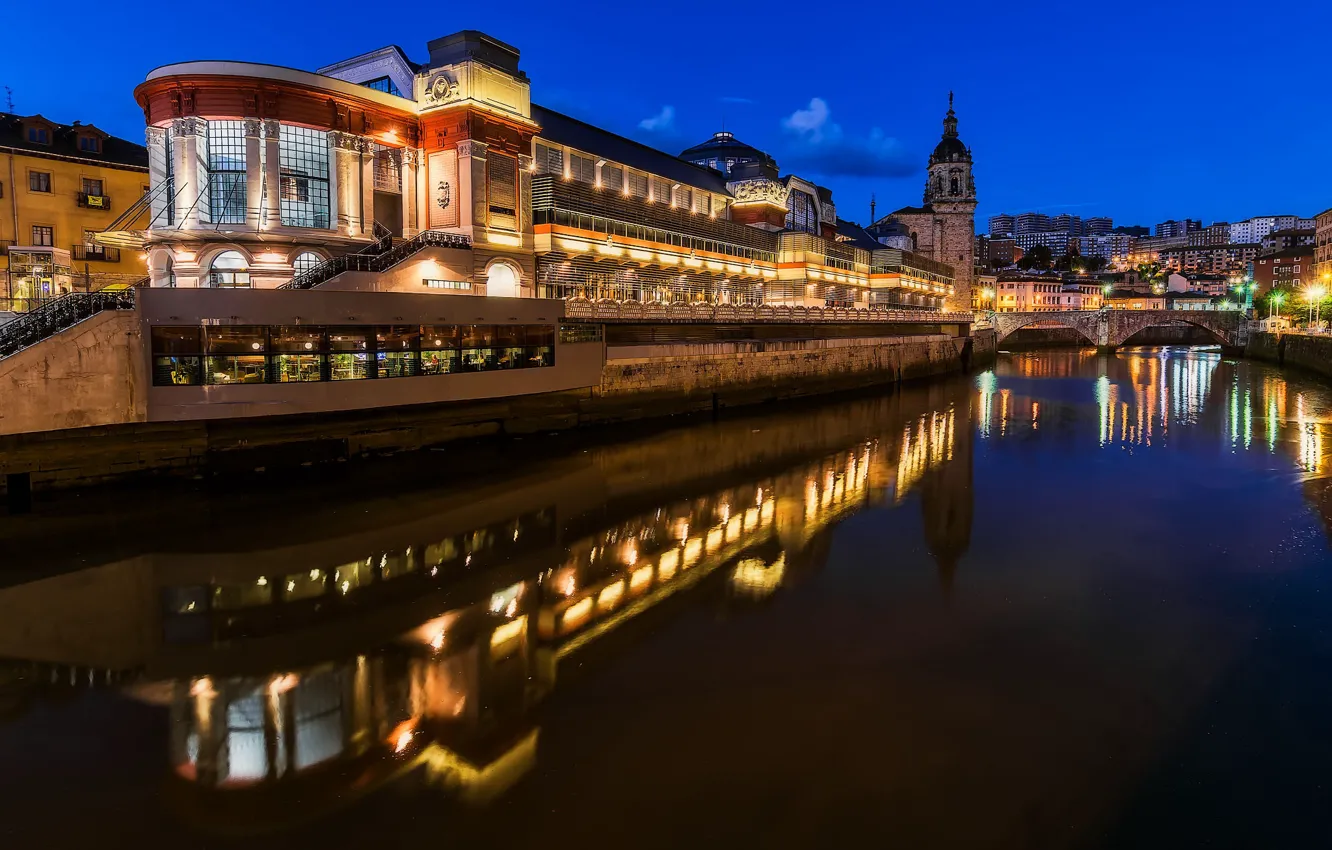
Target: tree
pixel 1037 258
pixel 1153 275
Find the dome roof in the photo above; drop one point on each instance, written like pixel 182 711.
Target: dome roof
pixel 950 148
pixel 722 144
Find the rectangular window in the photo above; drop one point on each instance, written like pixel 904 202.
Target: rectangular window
pixel 43 235
pixel 502 190
pixel 582 168
pixel 235 354
pixel 92 186
pixel 661 191
pixel 384 84
pixel 303 175
pixel 39 136
pixel 226 171
pixel 550 160
pixel 439 349
pixel 90 144
pixel 612 177
pixel 349 354
pixel 432 283
pixel 638 184
pixel 39 181
pixel 298 354
pixel 396 351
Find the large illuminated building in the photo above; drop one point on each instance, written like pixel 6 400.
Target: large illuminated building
pixel 443 177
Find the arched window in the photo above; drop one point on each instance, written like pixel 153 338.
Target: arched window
pixel 502 281
pixel 229 270
pixel 955 182
pixel 305 261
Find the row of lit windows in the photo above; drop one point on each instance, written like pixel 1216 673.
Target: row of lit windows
pixel 614 177
pixel 250 354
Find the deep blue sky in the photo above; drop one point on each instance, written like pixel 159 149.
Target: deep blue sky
pixel 1147 111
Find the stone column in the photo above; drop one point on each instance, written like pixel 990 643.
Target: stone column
pixel 271 215
pixel 366 188
pixel 254 173
pixel 185 134
pixel 471 184
pixel 411 160
pixel 344 182
pixel 158 168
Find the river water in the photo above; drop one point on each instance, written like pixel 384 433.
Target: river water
pixel 1071 601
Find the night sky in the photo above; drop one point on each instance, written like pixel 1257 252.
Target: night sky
pixel 1143 111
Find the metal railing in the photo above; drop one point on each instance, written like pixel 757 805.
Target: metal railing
pixel 380 256
pixel 96 253
pixel 633 311
pixel 57 315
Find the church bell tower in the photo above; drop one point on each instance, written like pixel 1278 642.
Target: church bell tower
pixel 950 192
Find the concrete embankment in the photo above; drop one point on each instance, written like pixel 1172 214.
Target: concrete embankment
pixel 637 382
pixel 1304 351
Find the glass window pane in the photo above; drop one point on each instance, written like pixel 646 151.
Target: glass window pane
pixel 439 336
pixel 177 370
pixel 508 335
pixel 439 362
pixel 296 368
pixel 235 339
pixel 478 336
pixel 232 369
pixel 170 340
pixel 296 339
pixel 540 334
pixel 347 339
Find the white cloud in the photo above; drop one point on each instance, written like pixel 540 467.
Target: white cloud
pixel 661 122
pixel 811 122
pixel 819 146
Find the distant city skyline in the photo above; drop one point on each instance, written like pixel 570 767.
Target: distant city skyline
pixel 1037 144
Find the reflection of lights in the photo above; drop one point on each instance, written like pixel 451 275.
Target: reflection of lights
pixel 669 561
pixel 506 600
pixel 610 596
pixel 507 632
pixel 755 578
pixel 262 582
pixel 203 687
pixel 283 683
pixel 437 642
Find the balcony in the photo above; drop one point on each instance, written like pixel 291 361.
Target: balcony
pixel 96 202
pixel 95 254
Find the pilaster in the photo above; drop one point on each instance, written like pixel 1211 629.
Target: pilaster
pixel 254 173
pixel 411 162
pixel 472 184
pixel 185 134
pixel 271 214
pixel 158 168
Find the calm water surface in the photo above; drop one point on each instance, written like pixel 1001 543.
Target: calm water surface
pixel 1074 601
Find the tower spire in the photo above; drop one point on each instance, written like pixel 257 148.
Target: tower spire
pixel 950 120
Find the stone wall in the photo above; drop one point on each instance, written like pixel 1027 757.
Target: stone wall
pixel 1264 346
pixel 687 378
pixel 81 378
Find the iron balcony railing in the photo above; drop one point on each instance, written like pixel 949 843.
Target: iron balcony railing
pixel 59 314
pixel 98 202
pixel 579 309
pixel 95 253
pixel 384 257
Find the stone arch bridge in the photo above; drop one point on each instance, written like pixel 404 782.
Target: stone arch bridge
pixel 1111 328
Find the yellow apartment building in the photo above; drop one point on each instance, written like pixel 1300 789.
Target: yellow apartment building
pixel 59 185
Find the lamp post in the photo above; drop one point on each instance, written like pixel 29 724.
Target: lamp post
pixel 1274 302
pixel 1314 295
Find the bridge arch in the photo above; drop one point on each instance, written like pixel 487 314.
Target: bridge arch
pixel 1114 327
pixel 1084 322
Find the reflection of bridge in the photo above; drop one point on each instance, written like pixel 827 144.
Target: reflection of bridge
pixel 1112 328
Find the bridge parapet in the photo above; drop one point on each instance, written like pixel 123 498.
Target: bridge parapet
pixel 1111 328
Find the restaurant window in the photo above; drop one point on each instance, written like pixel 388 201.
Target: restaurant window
pixel 39 181
pixel 234 354
pixel 349 354
pixel 43 235
pixel 396 351
pixel 502 190
pixel 298 354
pixel 177 356
pixel 230 270
pixel 226 171
pixel 303 177
pixel 439 349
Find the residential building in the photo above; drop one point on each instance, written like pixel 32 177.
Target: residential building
pixel 1221 259
pixel 1213 234
pixel 1045 293
pixel 1031 222
pixel 1147 249
pixel 1054 240
pixel 982 294
pixel 1098 225
pixel 1065 223
pixel 1211 285
pixel 65 183
pixel 1177 229
pixel 1281 240
pixel 1114 248
pixel 1323 242
pixel 1137 231
pixel 997 252
pixel 1195 301
pixel 1254 229
pixel 1291 268
pixel 1002 225
pixel 1121 299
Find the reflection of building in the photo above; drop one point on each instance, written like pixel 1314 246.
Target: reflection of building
pixel 65 182
pixel 424 638
pixel 947 502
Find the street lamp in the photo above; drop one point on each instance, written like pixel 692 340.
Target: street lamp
pixel 1314 295
pixel 1273 302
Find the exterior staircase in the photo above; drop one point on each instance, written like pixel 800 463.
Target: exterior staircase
pixel 381 255
pixel 28 329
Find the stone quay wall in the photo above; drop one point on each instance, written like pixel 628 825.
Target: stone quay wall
pixel 683 379
pixel 1310 352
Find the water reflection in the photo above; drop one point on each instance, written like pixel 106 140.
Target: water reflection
pixel 320 671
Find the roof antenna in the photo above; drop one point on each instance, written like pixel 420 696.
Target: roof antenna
pixel 872 204
pixel 9 99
